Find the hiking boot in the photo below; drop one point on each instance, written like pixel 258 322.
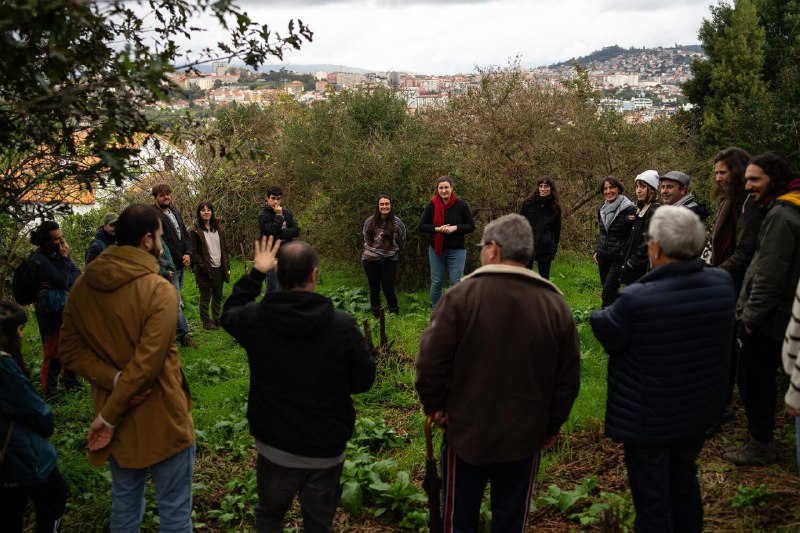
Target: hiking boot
pixel 376 312
pixel 209 325
pixel 751 453
pixel 187 342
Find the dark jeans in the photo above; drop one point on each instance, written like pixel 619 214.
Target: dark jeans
pixel 761 356
pixel 512 486
pixel 49 501
pixel 381 273
pixel 663 479
pixel 211 293
pixel 544 268
pixel 277 485
pixel 609 266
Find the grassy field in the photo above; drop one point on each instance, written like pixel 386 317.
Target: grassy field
pixel 580 479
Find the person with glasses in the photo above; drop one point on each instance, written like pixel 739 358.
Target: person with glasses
pixel 499 377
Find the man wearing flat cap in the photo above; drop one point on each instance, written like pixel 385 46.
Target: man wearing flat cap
pixel 105 236
pixel 675 186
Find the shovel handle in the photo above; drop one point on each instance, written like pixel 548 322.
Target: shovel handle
pixel 428 437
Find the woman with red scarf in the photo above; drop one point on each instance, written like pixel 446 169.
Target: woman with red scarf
pixel 446 219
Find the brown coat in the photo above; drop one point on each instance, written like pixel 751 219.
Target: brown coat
pixel 121 316
pixel 201 259
pixel 501 358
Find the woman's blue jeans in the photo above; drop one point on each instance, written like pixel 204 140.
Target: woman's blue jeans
pixel 450 262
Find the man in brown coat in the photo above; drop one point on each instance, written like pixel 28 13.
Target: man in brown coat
pixel 499 367
pixel 119 334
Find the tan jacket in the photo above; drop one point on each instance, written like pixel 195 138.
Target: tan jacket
pixel 121 316
pixel 501 358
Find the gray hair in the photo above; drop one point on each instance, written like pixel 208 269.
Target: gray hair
pixel 678 231
pixel 514 235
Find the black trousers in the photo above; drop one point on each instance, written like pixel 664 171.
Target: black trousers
pixel 609 266
pixel 49 501
pixel 211 293
pixel 544 268
pixel 663 479
pixel 761 356
pixel 381 274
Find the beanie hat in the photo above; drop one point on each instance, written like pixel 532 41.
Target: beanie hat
pixel 110 218
pixel 650 177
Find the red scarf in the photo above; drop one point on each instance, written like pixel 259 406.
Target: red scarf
pixel 438 220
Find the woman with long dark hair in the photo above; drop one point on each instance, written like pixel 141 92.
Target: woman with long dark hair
pixel 616 217
pixel 543 211
pixel 29 468
pixel 210 260
pixel 384 239
pixel 635 264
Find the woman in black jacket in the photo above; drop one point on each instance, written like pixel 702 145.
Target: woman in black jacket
pixel 543 212
pixel 636 264
pixel 446 219
pixel 616 217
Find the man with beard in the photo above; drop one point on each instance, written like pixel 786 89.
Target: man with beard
pixel 177 240
pixel 119 334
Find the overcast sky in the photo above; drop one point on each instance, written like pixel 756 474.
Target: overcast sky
pixel 451 36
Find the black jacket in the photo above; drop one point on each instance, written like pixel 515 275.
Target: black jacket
pixel 273 224
pixel 668 340
pixel 546 224
pixel 178 245
pixel 458 215
pixel 614 241
pixel 101 241
pixel 635 263
pixel 306 359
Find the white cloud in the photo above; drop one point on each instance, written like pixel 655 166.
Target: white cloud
pixel 449 36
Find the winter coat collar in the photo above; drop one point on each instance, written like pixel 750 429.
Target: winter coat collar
pixel 515 270
pixel 688 266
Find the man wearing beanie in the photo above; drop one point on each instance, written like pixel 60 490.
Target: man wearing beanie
pixel 104 237
pixel 675 186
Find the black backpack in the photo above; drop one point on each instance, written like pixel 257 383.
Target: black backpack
pixel 24 284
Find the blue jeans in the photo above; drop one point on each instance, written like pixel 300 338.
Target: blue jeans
pixel 177 282
pixel 271 284
pixel 172 478
pixel 452 262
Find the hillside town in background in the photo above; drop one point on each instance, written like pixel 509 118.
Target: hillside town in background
pixel 643 83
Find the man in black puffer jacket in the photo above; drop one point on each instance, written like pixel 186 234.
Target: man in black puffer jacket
pixel 306 359
pixel 667 337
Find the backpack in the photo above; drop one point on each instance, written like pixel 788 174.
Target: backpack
pixel 24 284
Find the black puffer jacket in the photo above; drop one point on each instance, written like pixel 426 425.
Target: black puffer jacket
pixel 635 262
pixel 668 340
pixel 306 359
pixel 614 240
pixel 545 220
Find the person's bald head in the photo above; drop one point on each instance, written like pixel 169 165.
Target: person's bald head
pixel 297 265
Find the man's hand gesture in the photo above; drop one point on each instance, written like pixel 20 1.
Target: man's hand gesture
pixel 99 435
pixel 265 251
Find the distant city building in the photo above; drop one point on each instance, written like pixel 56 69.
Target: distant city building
pixel 294 87
pixel 218 68
pixel 621 80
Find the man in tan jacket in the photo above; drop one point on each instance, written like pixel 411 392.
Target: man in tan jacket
pixel 119 334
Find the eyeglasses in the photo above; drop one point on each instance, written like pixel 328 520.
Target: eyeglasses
pixel 483 244
pixel 646 238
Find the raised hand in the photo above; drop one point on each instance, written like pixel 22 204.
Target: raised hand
pixel 265 251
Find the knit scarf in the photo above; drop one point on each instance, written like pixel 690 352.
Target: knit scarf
pixel 788 194
pixel 438 219
pixel 609 210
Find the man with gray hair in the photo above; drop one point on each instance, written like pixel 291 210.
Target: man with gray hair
pixel 675 186
pixel 667 337
pixel 499 365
